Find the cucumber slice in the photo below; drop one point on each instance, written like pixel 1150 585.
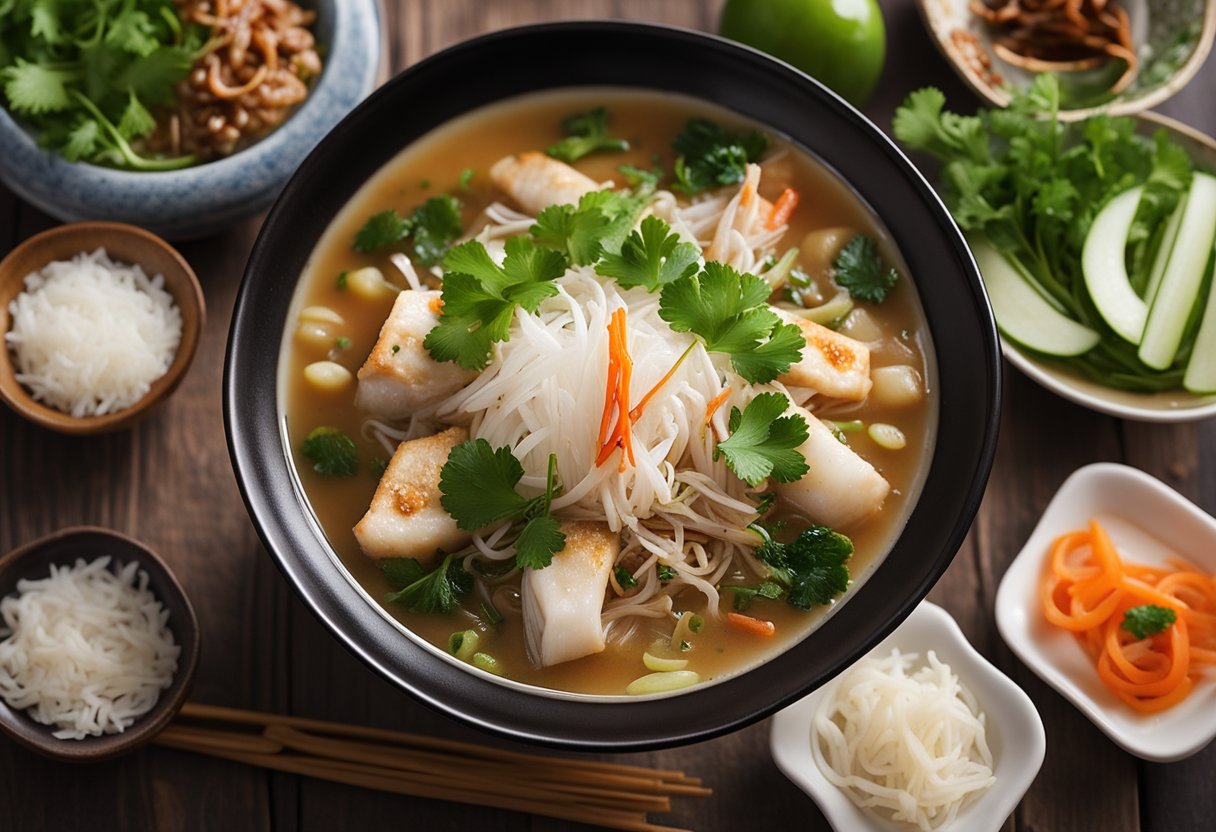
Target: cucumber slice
pixel 1183 277
pixel 1163 252
pixel 1022 314
pixel 1200 374
pixel 1105 269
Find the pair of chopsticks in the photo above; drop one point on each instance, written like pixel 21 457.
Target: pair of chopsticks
pixel 596 793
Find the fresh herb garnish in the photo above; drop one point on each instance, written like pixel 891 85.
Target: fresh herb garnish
pixel 466 176
pixel 479 297
pixel 490 614
pixel 341 342
pixel 625 579
pixel 730 313
pixel 432 227
pixel 1148 620
pixel 597 226
pixel 478 490
pixel 331 452
pixel 379 466
pixel 436 591
pixel 587 134
pixel 340 283
pixel 652 256
pixel 763 443
pixel 744 595
pixel 664 572
pixel 813 567
pixel 709 157
pixel 643 181
pixel 858 268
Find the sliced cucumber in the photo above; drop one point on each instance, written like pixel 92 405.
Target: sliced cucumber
pixel 1022 314
pixel 1180 284
pixel 1163 251
pixel 1200 374
pixel 1105 268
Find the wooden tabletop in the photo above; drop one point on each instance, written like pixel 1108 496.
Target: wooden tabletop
pixel 169 483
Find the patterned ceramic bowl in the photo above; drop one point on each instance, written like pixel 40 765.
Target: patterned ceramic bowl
pixel 1171 37
pixel 200 200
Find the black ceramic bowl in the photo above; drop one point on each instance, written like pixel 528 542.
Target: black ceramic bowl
pixel 519 61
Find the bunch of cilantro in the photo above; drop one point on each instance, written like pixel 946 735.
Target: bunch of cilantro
pixel 1032 185
pixel 86 74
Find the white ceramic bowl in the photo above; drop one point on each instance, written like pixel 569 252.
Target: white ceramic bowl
pixel 1015 732
pixel 1129 503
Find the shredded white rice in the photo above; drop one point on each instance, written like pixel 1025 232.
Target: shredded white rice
pixel 89 336
pixel 86 650
pixel 912 746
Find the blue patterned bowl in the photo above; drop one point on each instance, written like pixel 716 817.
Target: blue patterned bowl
pixel 197 201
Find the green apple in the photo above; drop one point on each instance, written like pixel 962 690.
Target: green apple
pixel 839 42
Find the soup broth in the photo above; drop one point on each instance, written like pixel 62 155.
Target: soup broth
pixel 455 159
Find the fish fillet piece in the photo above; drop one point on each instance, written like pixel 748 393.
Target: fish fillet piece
pixel 841 487
pixel 400 377
pixel 563 601
pixel 834 364
pixel 405 519
pixel 536 181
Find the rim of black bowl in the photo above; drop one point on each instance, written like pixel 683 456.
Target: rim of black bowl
pixel 664 59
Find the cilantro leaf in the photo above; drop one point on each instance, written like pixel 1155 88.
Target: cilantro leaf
pixel 709 157
pixel 436 591
pixel 332 452
pixel 921 124
pixel 33 89
pixel 729 312
pixel 665 573
pixel 650 256
pixel 136 120
pixel 744 595
pixel 643 181
pixel 401 572
pixel 432 226
pixel 858 268
pixel 625 578
pixel 81 141
pixel 764 443
pixel 539 540
pixel 813 567
pixel 597 225
pixel 132 31
pixel 588 133
pixel 1148 620
pixel 479 297
pixel 478 485
pixel 381 230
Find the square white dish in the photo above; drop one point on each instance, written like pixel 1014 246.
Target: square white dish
pixel 1014 731
pixel 1148 521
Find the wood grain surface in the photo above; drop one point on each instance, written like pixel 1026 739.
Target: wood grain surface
pixel 169 483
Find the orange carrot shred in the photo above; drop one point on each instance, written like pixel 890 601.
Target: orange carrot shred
pixel 755 626
pixel 715 403
pixel 782 208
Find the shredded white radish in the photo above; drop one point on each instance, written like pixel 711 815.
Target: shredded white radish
pixel 909 744
pixel 86 649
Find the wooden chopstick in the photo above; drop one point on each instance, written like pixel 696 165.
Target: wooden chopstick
pixel 597 793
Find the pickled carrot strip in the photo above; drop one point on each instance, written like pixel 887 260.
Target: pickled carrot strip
pixel 782 209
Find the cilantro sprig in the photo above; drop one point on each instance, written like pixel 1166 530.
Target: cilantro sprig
pixel 431 228
pixel 813 568
pixel 332 452
pixel 587 134
pixel 730 313
pixel 426 592
pixel 710 157
pixel 763 443
pixel 478 483
pixel 1148 620
pixel 652 256
pixel 858 269
pixel 480 297
pixel 598 225
pixel 744 595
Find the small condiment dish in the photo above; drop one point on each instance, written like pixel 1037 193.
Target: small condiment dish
pixel 1172 39
pixel 124 243
pixel 1148 521
pixel 62 548
pixel 1013 727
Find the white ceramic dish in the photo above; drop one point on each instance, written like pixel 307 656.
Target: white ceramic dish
pixel 1128 503
pixel 1015 732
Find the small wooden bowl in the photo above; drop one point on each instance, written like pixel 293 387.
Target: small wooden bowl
pixel 62 548
pixel 125 243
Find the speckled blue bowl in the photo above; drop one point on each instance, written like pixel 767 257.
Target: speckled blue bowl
pixel 201 200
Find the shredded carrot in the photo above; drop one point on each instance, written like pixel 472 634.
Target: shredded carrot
pixel 755 626
pixel 715 403
pixel 616 396
pixel 782 209
pixel 1087 588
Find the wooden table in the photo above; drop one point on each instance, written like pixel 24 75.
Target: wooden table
pixel 169 483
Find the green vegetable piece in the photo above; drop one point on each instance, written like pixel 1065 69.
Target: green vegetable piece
pixel 401 572
pixel 651 256
pixel 763 443
pixel 1148 620
pixel 744 595
pixel 491 614
pixel 486 662
pixel 432 227
pixel 588 133
pixel 381 230
pixel 599 224
pixel 710 157
pixel 331 451
pixel 643 181
pixel 858 268
pixel 664 572
pixel 436 591
pixel 625 578
pixel 33 89
pixel 340 283
pixel 813 567
pixel 466 177
pixel 463 644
